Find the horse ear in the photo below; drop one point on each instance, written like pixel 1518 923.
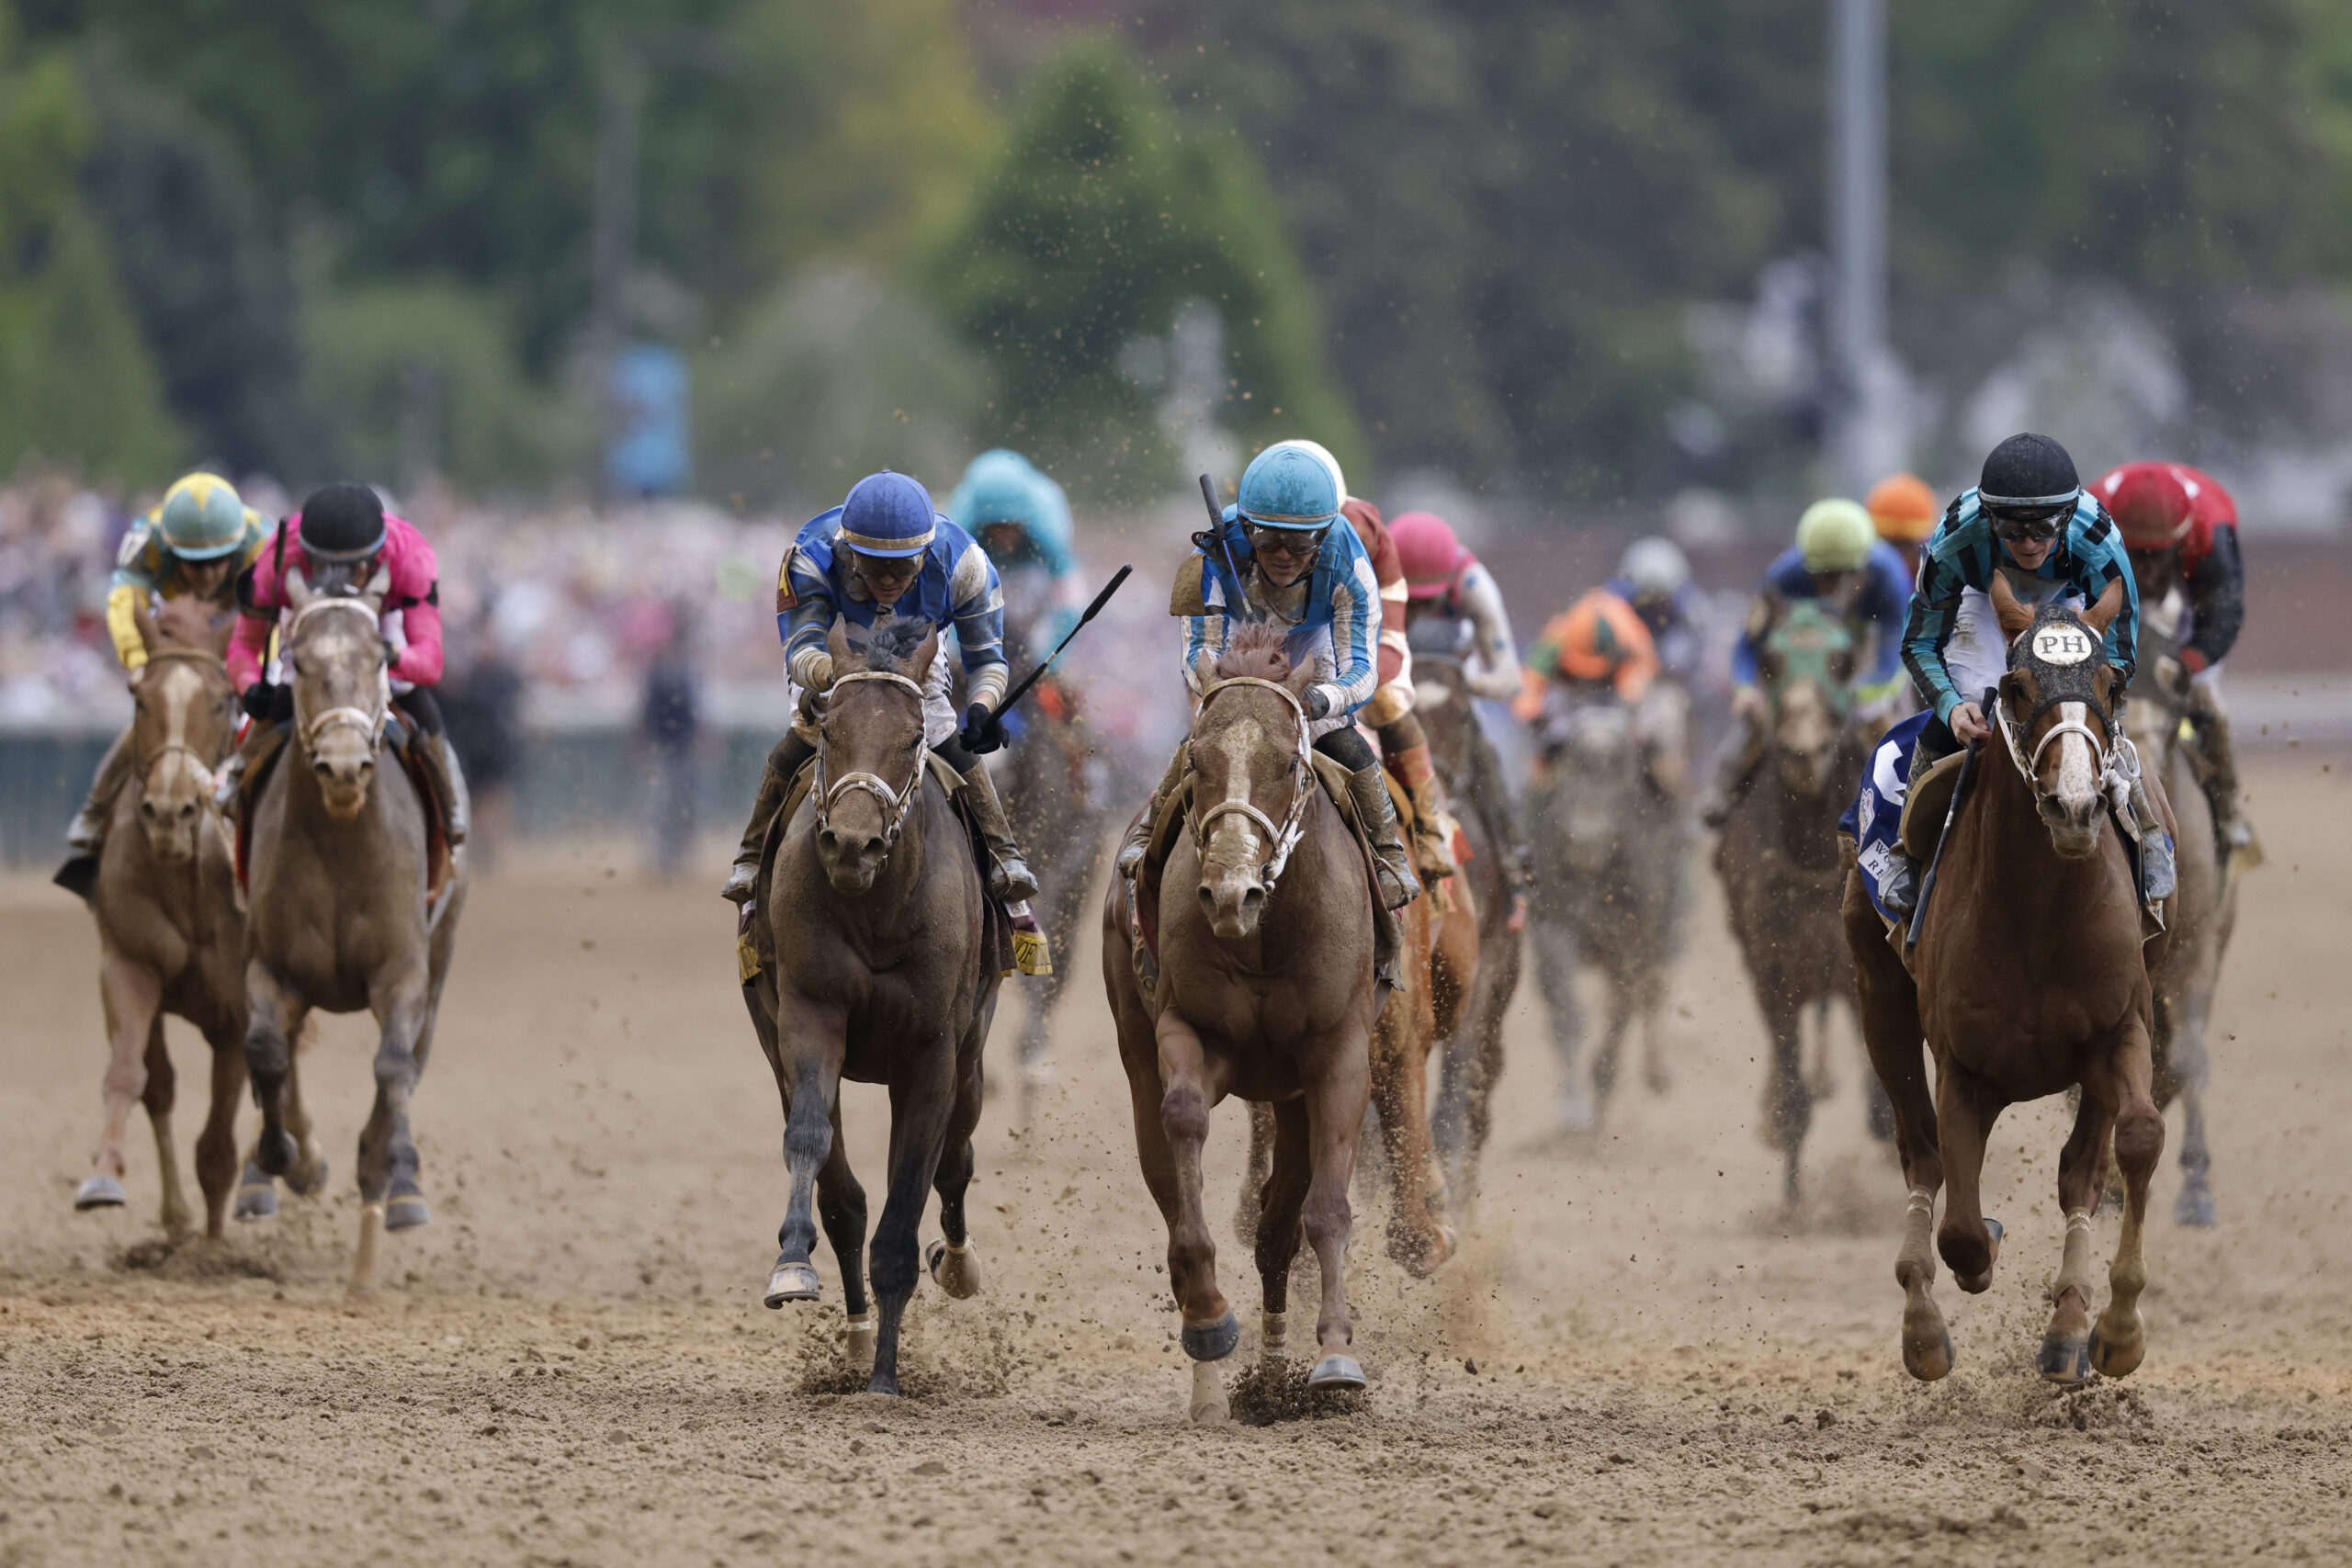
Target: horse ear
pixel 298 589
pixel 2013 615
pixel 2101 616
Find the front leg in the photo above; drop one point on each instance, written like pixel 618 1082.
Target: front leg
pixel 132 994
pixel 1210 1329
pixel 2119 1340
pixel 809 1043
pixel 272 1013
pixel 389 1196
pixel 162 1093
pixel 922 1100
pixel 1336 1097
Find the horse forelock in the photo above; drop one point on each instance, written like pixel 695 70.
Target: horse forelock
pixel 1257 651
pixel 894 649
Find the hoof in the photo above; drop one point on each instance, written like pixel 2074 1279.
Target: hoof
pixel 256 1194
pixel 2118 1358
pixel 2065 1359
pixel 794 1282
pixel 1207 1405
pixel 1931 1361
pixel 1213 1341
pixel 883 1383
pixel 954 1270
pixel 2195 1207
pixel 99 1192
pixel 1336 1371
pixel 308 1181
pixel 276 1156
pixel 406 1211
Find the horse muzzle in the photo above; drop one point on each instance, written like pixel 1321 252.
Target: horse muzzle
pixel 1232 897
pixel 344 775
pixel 2074 826
pixel 170 823
pixel 851 857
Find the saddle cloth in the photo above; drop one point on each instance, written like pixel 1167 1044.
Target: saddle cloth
pixel 268 745
pixel 1143 888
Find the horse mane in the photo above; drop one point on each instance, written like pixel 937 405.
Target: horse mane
pixel 1254 648
pixel 893 649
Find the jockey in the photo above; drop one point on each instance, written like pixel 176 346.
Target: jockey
pixel 1442 578
pixel 1904 510
pixel 881 559
pixel 2029 517
pixel 1277 554
pixel 1840 559
pixel 186 551
pixel 340 540
pixel 1022 519
pixel 1596 642
pixel 2181 527
pixel 1654 577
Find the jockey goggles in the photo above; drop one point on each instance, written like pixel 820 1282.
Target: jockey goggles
pixel 1292 542
pixel 2034 517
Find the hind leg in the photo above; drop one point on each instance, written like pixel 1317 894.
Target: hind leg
pixel 1788 1102
pixel 2119 1339
pixel 1555 976
pixel 841 1204
pixel 952 1260
pixel 1417 1238
pixel 923 1100
pixel 1247 1207
pixel 216 1147
pixel 2065 1354
pixel 1612 1047
pixel 1336 1097
pixel 1282 1197
pixel 162 1093
pixel 2192 1068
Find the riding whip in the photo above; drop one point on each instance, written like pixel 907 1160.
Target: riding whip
pixel 1005 704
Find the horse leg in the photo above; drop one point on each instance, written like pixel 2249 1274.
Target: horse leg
pixel 1210 1330
pixel 922 1101
pixel 216 1147
pixel 809 1081
pixel 1246 1207
pixel 1650 1003
pixel 2191 1065
pixel 273 1012
pixel 162 1093
pixel 132 994
pixel 308 1174
pixel 1965 1109
pixel 1555 976
pixel 951 1260
pixel 1613 1045
pixel 841 1204
pixel 1788 1102
pixel 1282 1199
pixel 1417 1238
pixel 2119 1339
pixel 1820 1072
pixel 2065 1354
pixel 390 1197
pixel 1335 1106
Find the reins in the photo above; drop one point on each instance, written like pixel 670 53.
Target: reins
pixel 896 802
pixel 1284 839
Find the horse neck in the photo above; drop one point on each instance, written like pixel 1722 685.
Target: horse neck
pixel 2025 889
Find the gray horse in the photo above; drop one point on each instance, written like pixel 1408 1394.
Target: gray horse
pixel 2203 912
pixel 340 922
pixel 1609 846
pixel 876 968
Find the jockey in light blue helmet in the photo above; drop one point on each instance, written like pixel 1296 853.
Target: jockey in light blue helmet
pixel 1283 554
pixel 1022 518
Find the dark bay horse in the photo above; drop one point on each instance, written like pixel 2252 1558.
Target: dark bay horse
pixel 1779 859
pixel 1266 991
pixel 339 861
pixel 2201 915
pixel 1608 868
pixel 879 972
pixel 170 931
pixel 2029 979
pixel 1473 1049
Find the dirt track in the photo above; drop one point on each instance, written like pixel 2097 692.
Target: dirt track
pixel 571 1364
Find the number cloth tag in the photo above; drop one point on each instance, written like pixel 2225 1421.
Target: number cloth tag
pixel 2061 645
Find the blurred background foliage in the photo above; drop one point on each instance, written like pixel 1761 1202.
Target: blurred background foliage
pixel 1465 235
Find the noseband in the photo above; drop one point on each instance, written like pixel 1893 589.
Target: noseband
pixel 1284 838
pixel 367 721
pixel 896 802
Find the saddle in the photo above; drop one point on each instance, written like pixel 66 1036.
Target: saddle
pixel 1142 887
pixel 1009 950
pixel 267 744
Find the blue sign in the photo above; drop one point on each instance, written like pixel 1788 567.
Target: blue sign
pixel 648 454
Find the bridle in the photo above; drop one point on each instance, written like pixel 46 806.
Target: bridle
pixel 197 759
pixel 1284 838
pixel 896 802
pixel 367 721
pixel 2105 747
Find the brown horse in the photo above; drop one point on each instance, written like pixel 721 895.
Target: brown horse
pixel 1777 857
pixel 1053 785
pixel 339 863
pixel 1265 991
pixel 878 971
pixel 2029 979
pixel 171 933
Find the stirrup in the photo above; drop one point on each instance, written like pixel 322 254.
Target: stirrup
pixel 742 882
pixel 1899 888
pixel 2159 877
pixel 1009 878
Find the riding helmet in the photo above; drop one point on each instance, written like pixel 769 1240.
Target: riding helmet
pixel 1321 454
pixel 1428 551
pixel 1288 486
pixel 341 523
pixel 2151 503
pixel 1836 536
pixel 1904 507
pixel 202 518
pixel 1654 567
pixel 2026 472
pixel 889 514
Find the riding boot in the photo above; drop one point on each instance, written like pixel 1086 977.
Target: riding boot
pixel 1433 825
pixel 2159 876
pixel 1138 839
pixel 1010 880
pixel 1368 792
pixel 784 762
pixel 1490 793
pixel 87 836
pixel 1743 747
pixel 2220 774
pixel 440 760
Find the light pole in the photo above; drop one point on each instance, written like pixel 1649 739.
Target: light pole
pixel 1869 417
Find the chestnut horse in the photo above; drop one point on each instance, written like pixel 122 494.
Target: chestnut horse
pixel 878 971
pixel 2029 979
pixel 1266 991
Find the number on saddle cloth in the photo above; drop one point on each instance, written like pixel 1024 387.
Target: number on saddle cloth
pixel 1875 820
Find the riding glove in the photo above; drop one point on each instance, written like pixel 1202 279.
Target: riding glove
pixel 265 703
pixel 983 729
pixel 1318 703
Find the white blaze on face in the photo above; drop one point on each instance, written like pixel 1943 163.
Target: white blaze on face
pixel 1240 743
pixel 2077 779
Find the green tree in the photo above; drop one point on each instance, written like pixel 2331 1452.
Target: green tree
pixel 77 385
pixel 1102 217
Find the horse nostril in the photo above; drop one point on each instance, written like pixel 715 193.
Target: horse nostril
pixel 147 810
pixel 1208 901
pixel 1252 897
pixel 188 809
pixel 828 841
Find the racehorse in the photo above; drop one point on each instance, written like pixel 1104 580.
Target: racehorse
pixel 2201 915
pixel 343 919
pixel 2028 979
pixel 171 933
pixel 1053 790
pixel 1778 856
pixel 1608 847
pixel 1473 1048
pixel 1265 990
pixel 878 969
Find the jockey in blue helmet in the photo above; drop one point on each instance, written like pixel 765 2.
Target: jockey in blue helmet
pixel 1277 555
pixel 1022 519
pixel 880 562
